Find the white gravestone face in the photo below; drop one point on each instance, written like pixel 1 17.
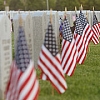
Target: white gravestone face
pixel 38 33
pixel 71 15
pixel 29 34
pixel 16 26
pixel 5 52
pixel 88 16
pixel 99 16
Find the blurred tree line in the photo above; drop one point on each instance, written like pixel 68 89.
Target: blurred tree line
pixel 54 4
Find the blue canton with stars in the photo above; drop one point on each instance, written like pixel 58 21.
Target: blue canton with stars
pixel 67 33
pixel 83 19
pixel 22 54
pixel 78 27
pixel 50 40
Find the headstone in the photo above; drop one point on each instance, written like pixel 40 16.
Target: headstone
pixel 29 34
pixel 39 29
pixel 69 17
pixel 99 16
pixel 88 16
pixel 16 26
pixel 5 52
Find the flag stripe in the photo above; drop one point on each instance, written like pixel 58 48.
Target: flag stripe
pixel 87 38
pixel 69 65
pixel 52 62
pixel 18 90
pixel 25 87
pixel 48 66
pixel 69 50
pixel 95 38
pixel 70 55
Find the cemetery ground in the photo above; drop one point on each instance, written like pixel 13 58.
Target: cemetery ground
pixel 83 85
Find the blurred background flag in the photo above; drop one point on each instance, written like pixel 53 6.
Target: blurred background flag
pixel 95 29
pixel 23 84
pixel 49 61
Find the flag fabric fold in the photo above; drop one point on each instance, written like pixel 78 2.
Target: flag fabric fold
pixel 49 61
pixel 87 32
pixel 79 39
pixel 95 29
pixel 69 50
pixel 23 84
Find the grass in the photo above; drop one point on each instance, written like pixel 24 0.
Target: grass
pixel 83 85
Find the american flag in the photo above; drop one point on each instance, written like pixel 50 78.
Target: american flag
pixel 23 84
pixel 95 29
pixel 87 34
pixel 69 51
pixel 49 61
pixel 79 39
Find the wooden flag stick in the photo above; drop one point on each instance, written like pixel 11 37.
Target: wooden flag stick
pixel 75 9
pixel 81 7
pixel 51 15
pixel 93 8
pixel 65 12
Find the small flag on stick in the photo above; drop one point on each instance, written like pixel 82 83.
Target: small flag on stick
pixel 23 84
pixel 49 61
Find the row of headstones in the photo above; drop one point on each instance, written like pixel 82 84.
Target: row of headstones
pixel 35 25
pixel 70 14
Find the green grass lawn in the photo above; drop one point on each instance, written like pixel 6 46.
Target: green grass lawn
pixel 83 85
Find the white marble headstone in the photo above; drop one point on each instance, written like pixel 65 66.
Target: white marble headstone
pixel 16 26
pixel 29 34
pixel 5 52
pixel 38 20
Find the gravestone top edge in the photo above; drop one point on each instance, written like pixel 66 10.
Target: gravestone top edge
pixel 16 17
pixel 38 13
pixel 2 16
